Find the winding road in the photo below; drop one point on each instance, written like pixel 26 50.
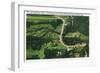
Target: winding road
pixel 68 47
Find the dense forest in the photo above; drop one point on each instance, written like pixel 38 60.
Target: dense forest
pixel 53 36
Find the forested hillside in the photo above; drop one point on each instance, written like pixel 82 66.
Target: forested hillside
pixel 52 36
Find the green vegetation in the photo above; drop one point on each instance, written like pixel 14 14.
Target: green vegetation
pixel 49 36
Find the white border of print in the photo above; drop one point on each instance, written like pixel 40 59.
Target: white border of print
pixel 18 61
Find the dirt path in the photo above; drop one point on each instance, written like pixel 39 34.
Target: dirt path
pixel 71 47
